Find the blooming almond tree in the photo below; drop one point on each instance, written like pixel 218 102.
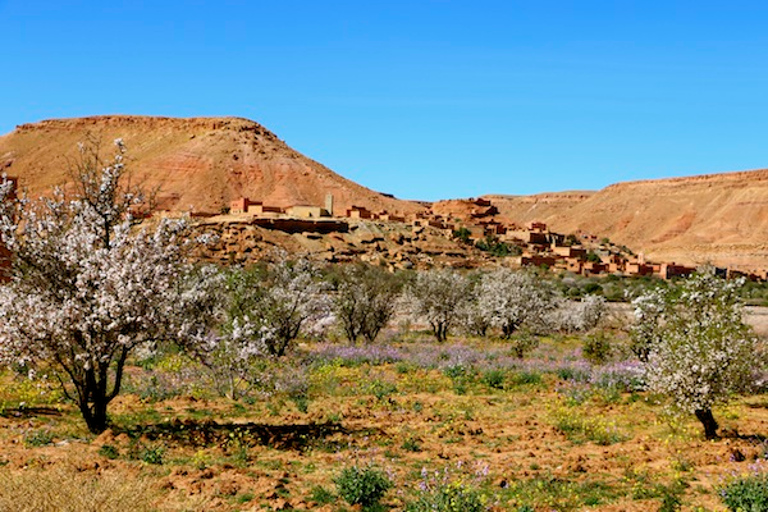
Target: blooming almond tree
pixel 86 287
pixel 699 351
pixel 292 297
pixel 509 299
pixel 570 316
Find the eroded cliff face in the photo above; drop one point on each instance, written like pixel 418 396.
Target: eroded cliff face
pixel 198 164
pixel 716 218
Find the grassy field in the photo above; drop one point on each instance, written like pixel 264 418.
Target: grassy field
pixel 465 420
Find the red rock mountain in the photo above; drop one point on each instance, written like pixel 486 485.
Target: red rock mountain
pixel 197 163
pixel 204 163
pixel 716 218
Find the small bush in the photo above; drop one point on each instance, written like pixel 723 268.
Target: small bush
pixel 381 389
pixel 109 451
pixel 301 402
pixel 569 373
pixel 748 494
pixel 494 379
pixel 40 437
pixel 412 444
pixel 522 344
pixel 362 486
pixel 597 349
pixel 151 454
pixel 526 377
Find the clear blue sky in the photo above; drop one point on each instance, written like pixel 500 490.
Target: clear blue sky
pixel 424 99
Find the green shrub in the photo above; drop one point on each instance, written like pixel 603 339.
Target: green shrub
pixel 494 379
pixel 412 444
pixel 597 349
pixel 462 234
pixel 152 454
pixel 109 451
pixel 460 376
pixel 746 494
pixel 526 377
pixel 362 486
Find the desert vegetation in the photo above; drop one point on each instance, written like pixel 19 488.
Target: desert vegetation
pixel 159 383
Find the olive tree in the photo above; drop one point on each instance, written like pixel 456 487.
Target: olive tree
pixel 697 349
pixel 438 296
pixel 86 286
pixel 365 300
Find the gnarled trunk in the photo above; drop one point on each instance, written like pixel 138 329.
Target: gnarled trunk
pixel 708 420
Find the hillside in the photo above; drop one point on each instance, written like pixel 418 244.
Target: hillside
pixel 198 163
pixel 201 164
pixel 717 218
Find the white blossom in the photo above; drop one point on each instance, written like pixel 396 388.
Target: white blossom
pixel 699 351
pixel 509 299
pixel 86 287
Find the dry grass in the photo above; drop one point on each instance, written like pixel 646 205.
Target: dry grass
pixel 65 489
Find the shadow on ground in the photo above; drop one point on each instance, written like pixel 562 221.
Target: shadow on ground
pixel 29 412
pixel 206 433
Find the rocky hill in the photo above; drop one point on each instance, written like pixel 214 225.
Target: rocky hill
pixel 717 218
pixel 198 164
pixel 201 164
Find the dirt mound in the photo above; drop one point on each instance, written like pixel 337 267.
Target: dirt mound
pixel 198 164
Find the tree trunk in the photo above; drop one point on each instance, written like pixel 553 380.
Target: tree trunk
pixel 95 416
pixel 440 332
pixel 708 420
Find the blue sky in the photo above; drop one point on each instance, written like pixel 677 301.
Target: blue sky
pixel 425 99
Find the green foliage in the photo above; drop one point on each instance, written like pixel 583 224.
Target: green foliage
pixel 460 376
pixel 381 389
pixel 365 300
pixel 40 437
pixel 152 455
pixel 450 497
pixel 109 451
pixel 462 234
pixel 301 402
pixel 746 494
pixel 494 378
pixel 593 289
pixel 497 248
pixel 529 377
pixel 145 453
pixel 321 495
pixel 412 444
pixel 522 343
pixel 362 485
pixel 597 348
